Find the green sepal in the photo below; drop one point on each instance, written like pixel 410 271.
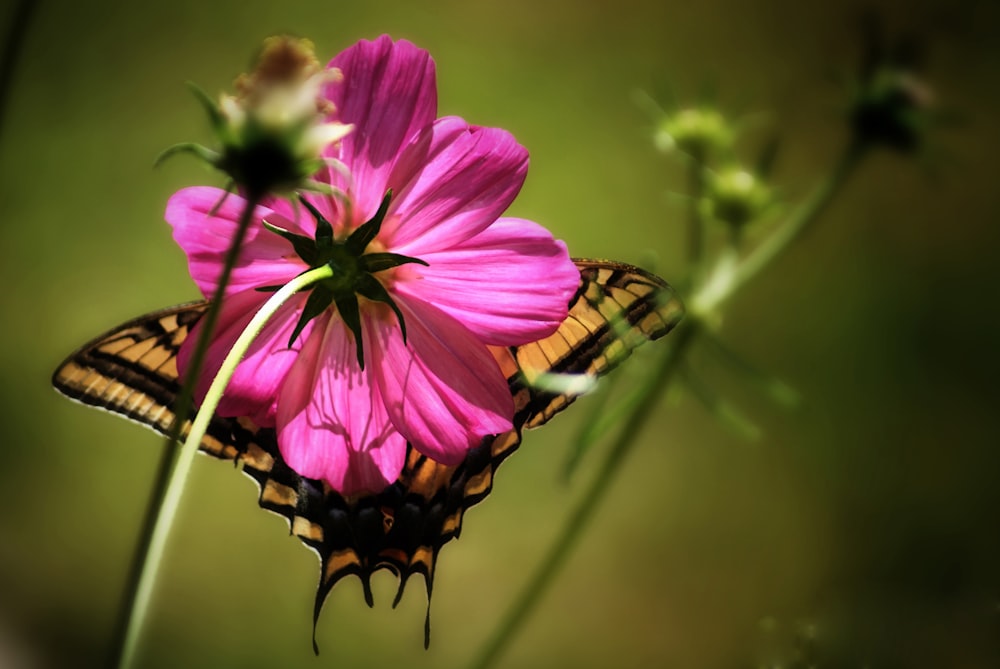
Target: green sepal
pixel 347 305
pixel 373 289
pixel 377 262
pixel 324 231
pixel 351 271
pixel 304 247
pixel 362 237
pixel 215 116
pixel 197 150
pixel 319 299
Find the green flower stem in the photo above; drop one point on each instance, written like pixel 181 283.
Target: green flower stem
pixel 726 278
pixel 696 222
pixel 134 603
pixel 171 499
pixel 532 593
pixel 17 29
pixel 214 395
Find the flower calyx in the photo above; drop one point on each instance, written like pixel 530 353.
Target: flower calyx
pixel 273 131
pixel 736 196
pixel 891 105
pixel 700 132
pixel 891 108
pixel 353 271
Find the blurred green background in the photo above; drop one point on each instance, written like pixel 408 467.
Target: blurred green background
pixel 867 519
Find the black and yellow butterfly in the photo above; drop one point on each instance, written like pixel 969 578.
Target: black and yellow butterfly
pixel 132 371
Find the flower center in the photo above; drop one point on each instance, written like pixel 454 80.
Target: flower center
pixel 353 270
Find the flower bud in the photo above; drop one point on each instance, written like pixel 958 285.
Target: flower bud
pixel 890 105
pixel 736 196
pixel 274 129
pixel 890 108
pixel 698 132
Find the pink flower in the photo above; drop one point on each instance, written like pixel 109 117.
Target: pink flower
pixel 344 408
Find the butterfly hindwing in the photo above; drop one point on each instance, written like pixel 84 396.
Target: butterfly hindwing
pixel 132 371
pixel 616 308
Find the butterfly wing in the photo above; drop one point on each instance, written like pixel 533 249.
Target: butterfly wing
pixel 132 371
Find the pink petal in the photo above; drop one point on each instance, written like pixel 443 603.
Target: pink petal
pixel 254 387
pixel 388 92
pixel 442 388
pixel 332 423
pixel 452 183
pixel 266 258
pixel 509 285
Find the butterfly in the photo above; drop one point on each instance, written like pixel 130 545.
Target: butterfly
pixel 132 371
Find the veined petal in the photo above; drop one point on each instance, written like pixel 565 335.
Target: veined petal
pixel 388 92
pixel 265 259
pixel 509 285
pixel 451 183
pixel 331 422
pixel 443 389
pixel 255 384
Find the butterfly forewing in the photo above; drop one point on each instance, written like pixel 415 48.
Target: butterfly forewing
pixel 616 308
pixel 132 371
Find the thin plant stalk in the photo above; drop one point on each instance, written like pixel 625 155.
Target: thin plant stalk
pixel 696 222
pixel 20 20
pixel 242 344
pixel 725 279
pixel 142 572
pixel 543 576
pixel 197 432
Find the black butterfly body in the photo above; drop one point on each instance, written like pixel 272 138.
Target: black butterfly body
pixel 132 371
